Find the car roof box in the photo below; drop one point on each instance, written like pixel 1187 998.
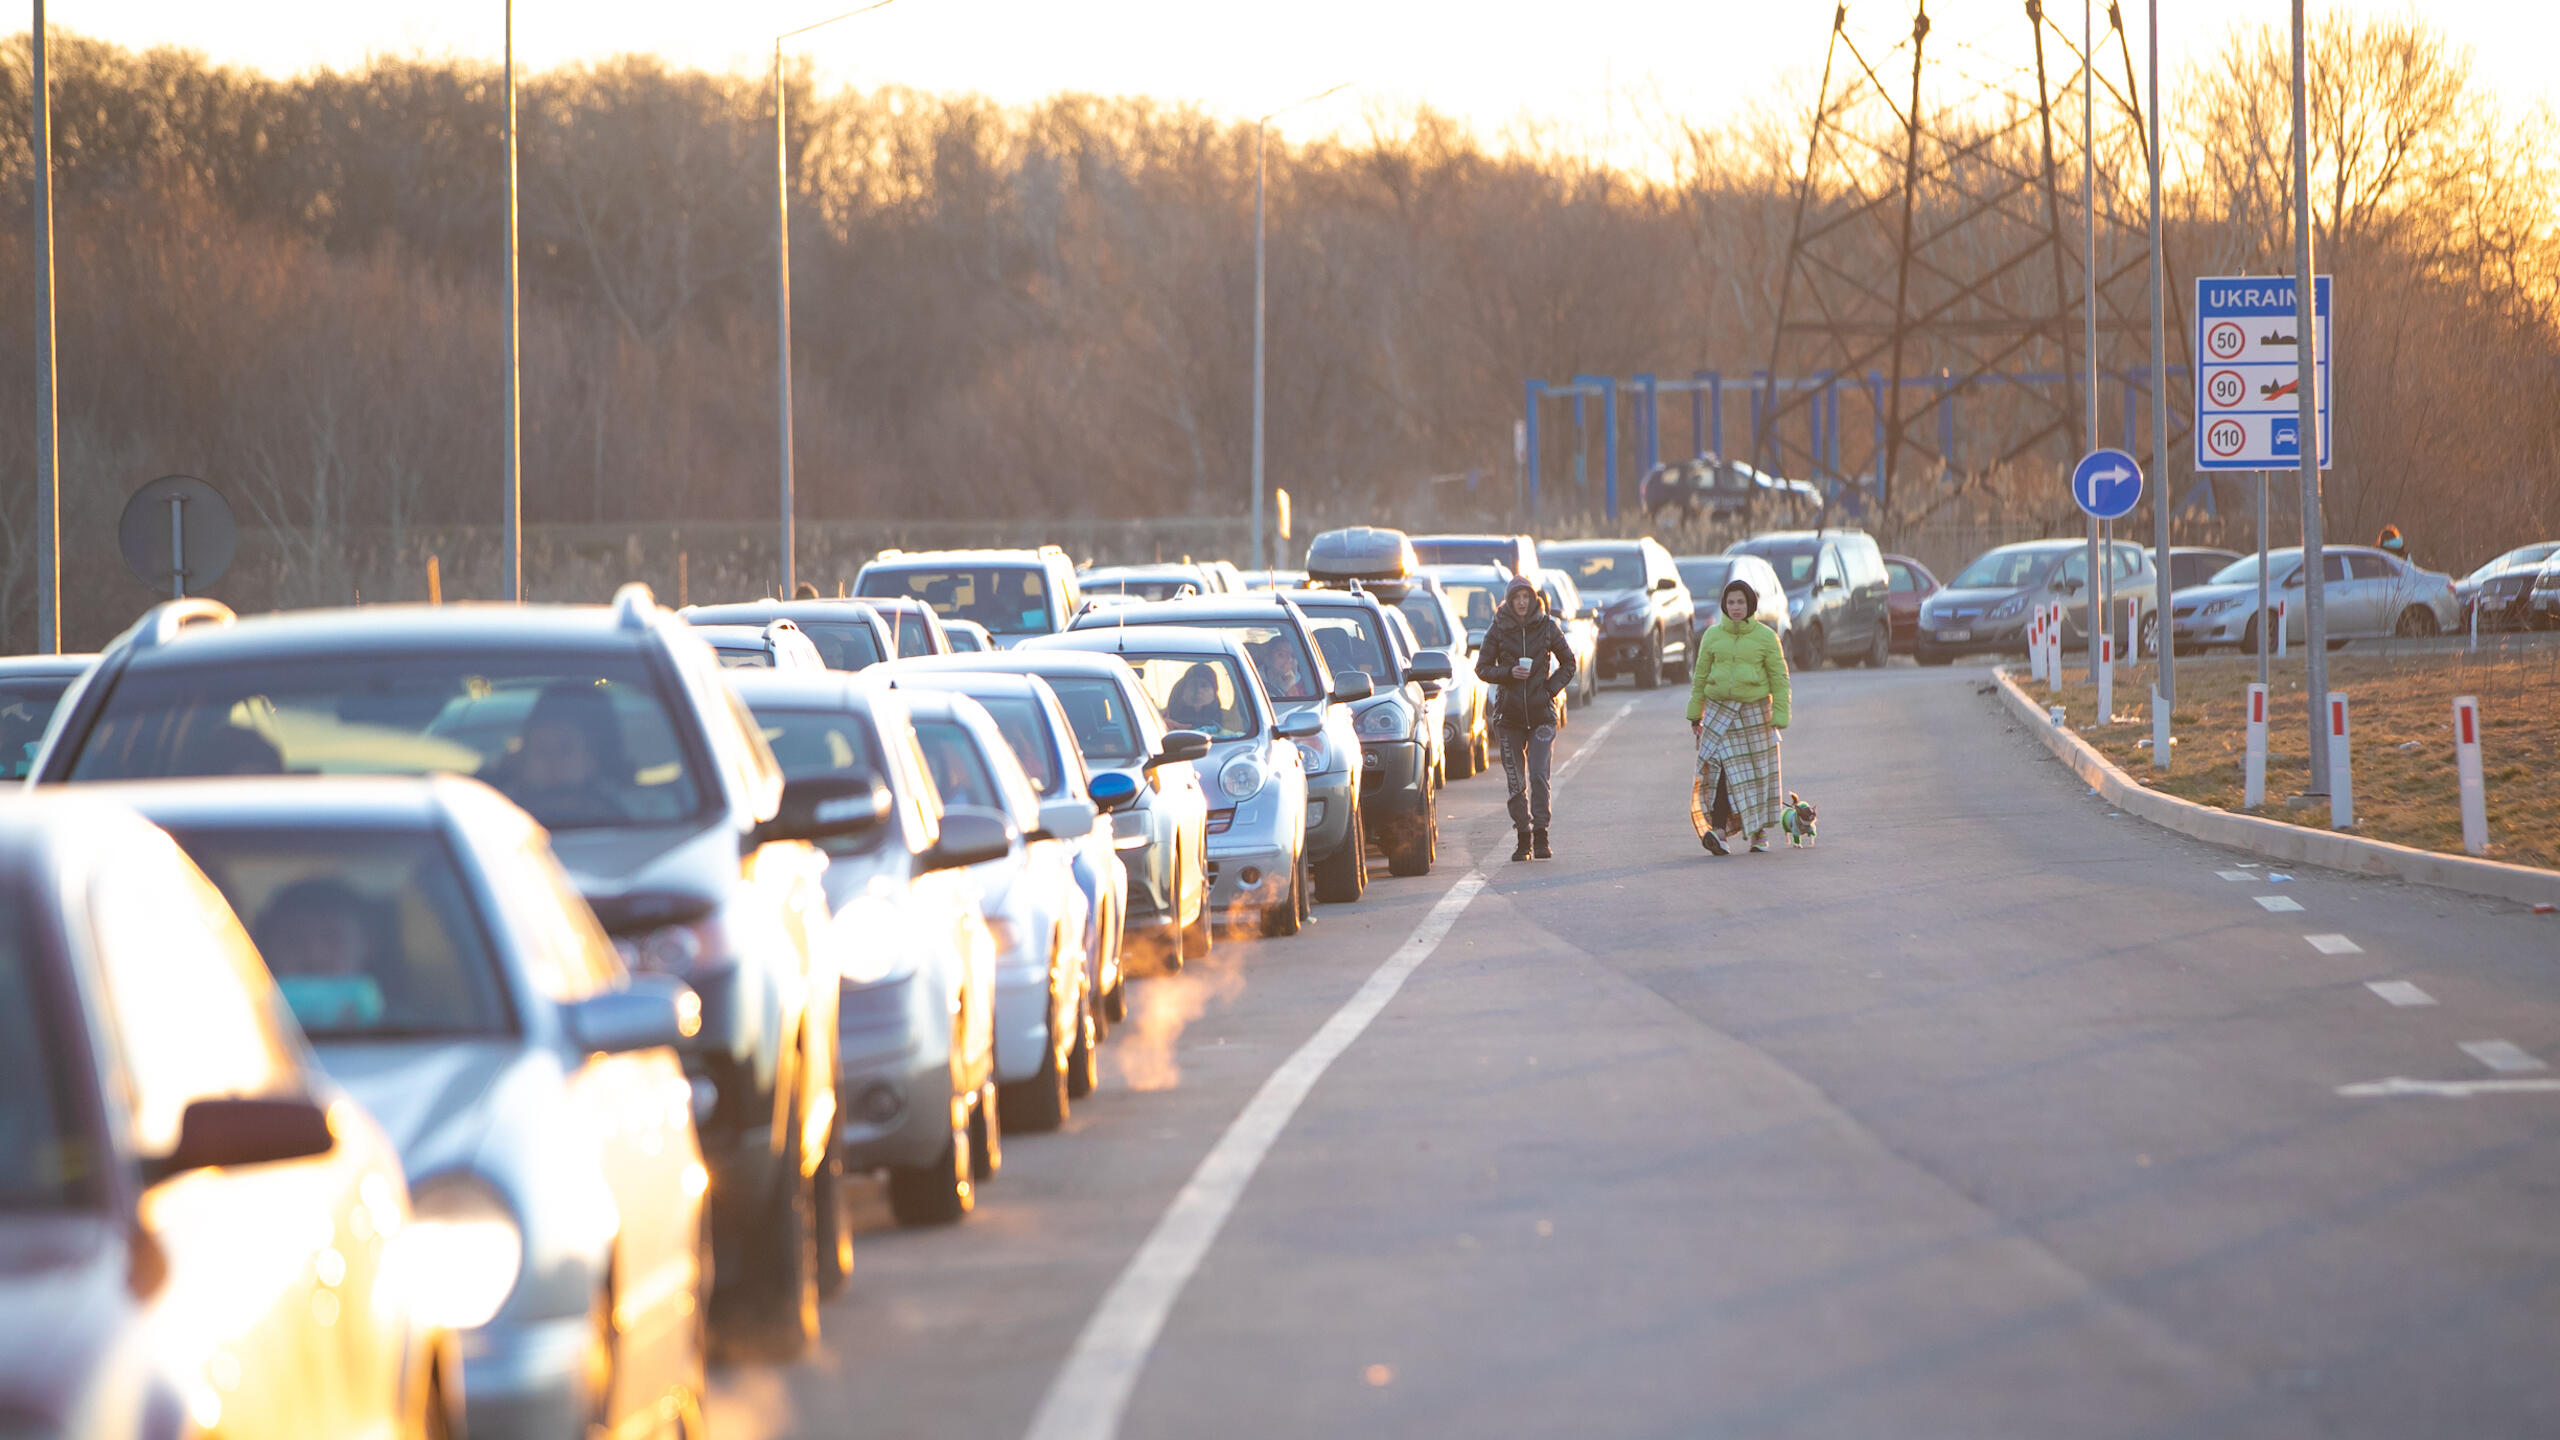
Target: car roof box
pixel 1362 553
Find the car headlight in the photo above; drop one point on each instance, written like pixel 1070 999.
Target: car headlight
pixel 1311 756
pixel 2008 607
pixel 1380 721
pixel 675 949
pixel 873 942
pixel 461 1253
pixel 2227 602
pixel 1242 778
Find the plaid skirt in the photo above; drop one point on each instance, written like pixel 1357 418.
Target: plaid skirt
pixel 1737 753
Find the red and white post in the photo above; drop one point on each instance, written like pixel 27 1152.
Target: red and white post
pixel 2035 646
pixel 2053 644
pixel 2107 677
pixel 2253 770
pixel 2280 629
pixel 2342 790
pixel 2466 768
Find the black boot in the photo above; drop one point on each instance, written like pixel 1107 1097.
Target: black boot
pixel 1538 847
pixel 1521 850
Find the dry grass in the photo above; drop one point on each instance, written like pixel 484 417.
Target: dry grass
pixel 2401 713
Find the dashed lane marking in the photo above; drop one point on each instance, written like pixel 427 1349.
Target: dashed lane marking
pixel 2502 1056
pixel 2334 945
pixel 2399 992
pixel 2235 874
pixel 2277 902
pixel 2399 1085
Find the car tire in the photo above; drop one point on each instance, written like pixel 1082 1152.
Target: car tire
pixel 1649 664
pixel 1813 650
pixel 1084 1062
pixel 986 1136
pixel 941 1192
pixel 835 1226
pixel 1285 918
pixel 2249 641
pixel 1418 849
pixel 1484 751
pixel 2417 623
pixel 773 1312
pixel 1343 876
pixel 1879 650
pixel 1200 936
pixel 1039 1103
pixel 2148 641
pixel 1116 1003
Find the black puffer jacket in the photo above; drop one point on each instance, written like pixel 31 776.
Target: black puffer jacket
pixel 1523 705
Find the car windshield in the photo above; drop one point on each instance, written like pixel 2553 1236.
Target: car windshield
pixel 2004 570
pixel 1430 623
pixel 1704 574
pixel 26 707
pixel 1477 603
pixel 1794 560
pixel 914 636
pixel 1288 671
pixel 45 1162
pixel 844 644
pixel 579 741
pixel 1619 567
pixel 1206 693
pixel 1098 711
pixel 1019 718
pixel 958 770
pixel 1007 599
pixel 961 639
pixel 370 934
pixel 1351 640
pixel 1494 550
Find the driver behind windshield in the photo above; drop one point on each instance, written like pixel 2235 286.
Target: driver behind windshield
pixel 317 937
pixel 570 761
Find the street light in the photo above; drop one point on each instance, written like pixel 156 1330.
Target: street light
pixel 782 275
pixel 1260 560
pixel 512 527
pixel 48 440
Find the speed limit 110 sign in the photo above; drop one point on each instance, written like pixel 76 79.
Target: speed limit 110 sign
pixel 2249 373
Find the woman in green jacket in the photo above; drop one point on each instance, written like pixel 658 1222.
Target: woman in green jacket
pixel 1738 702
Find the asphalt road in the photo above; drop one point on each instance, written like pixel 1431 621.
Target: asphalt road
pixel 1995 1115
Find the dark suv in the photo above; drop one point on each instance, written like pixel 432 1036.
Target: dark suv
pixel 1398 725
pixel 1836 594
pixel 1644 606
pixel 614 728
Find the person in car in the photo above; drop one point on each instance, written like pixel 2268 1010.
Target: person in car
pixel 1529 662
pixel 563 773
pixel 317 938
pixel 1194 703
pixel 1739 700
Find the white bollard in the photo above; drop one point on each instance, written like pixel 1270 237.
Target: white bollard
pixel 2280 629
pixel 2253 771
pixel 2133 628
pixel 2159 732
pixel 2342 790
pixel 2053 645
pixel 2475 623
pixel 2107 678
pixel 2035 647
pixel 2466 767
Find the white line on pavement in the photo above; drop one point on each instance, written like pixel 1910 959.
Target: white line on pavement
pixel 2450 1089
pixel 2399 992
pixel 1091 1391
pixel 2235 874
pixel 2501 1055
pixel 2277 902
pixel 2334 945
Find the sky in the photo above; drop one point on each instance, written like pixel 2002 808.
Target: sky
pixel 1584 74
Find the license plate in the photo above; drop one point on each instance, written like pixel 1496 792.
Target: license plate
pixel 1953 636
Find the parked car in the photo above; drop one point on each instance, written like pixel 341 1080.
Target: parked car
pixel 1147 582
pixel 204 1235
pixel 916 993
pixel 1644 609
pixel 1293 670
pixel 1016 594
pixel 1707 575
pixel 1836 587
pixel 1045 1049
pixel 1398 723
pixel 2542 602
pixel 968 637
pixel 1986 607
pixel 31 686
pixel 1161 835
pixel 774 645
pixel 1908 585
pixel 1466 741
pixel 452 981
pixel 1223 573
pixel 2193 564
pixel 1581 624
pixel 849 634
pixel 2502 589
pixel 2368 595
pixel 1516 554
pixel 1027 712
pixel 1726 490
pixel 1205 682
pixel 613 726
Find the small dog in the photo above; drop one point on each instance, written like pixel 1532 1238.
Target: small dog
pixel 1797 820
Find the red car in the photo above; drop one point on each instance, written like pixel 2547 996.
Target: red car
pixel 1911 584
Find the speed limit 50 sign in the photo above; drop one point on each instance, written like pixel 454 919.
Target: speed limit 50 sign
pixel 2249 373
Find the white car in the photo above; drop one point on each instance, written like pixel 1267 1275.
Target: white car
pixel 775 645
pixel 2368 595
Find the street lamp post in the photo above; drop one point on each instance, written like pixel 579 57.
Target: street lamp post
pixel 1261 560
pixel 48 460
pixel 788 538
pixel 511 526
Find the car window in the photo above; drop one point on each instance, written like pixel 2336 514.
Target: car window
pixel 1792 560
pixel 958 771
pixel 26 707
pixel 1897 578
pixel 1421 609
pixel 756 659
pixel 46 1162
pixel 579 741
pixel 1027 732
pixel 1098 711
pixel 2127 562
pixel 2370 567
pixel 2004 570
pixel 1007 599
pixel 2334 565
pixel 1279 654
pixel 1352 641
pixel 821 742
pixel 1705 574
pixel 1828 567
pixel 368 933
pixel 1198 692
pixel 1619 567
pixel 844 644
pixel 1478 603
pixel 192 1011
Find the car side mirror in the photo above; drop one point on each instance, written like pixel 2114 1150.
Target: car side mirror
pixel 1305 725
pixel 239 1131
pixel 1666 583
pixel 652 1011
pixel 1113 790
pixel 1587 612
pixel 971 837
pixel 1065 818
pixel 1829 582
pixel 2066 585
pixel 1180 745
pixel 1429 665
pixel 825 807
pixel 1353 688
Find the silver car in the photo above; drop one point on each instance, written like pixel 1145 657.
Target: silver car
pixel 1204 680
pixel 1466 736
pixel 2367 594
pixel 452 980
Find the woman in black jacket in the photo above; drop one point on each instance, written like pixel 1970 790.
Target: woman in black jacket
pixel 1529 663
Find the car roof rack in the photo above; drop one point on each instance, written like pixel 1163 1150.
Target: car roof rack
pixel 162 622
pixel 634 607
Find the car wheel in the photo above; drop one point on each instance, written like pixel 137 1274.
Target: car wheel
pixel 1198 936
pixel 943 1191
pixel 1084 1062
pixel 986 1136
pixel 1116 1003
pixel 2249 637
pixel 1039 1103
pixel 1812 651
pixel 2148 643
pixel 835 1226
pixel 1649 664
pixel 1285 918
pixel 1879 650
pixel 1415 850
pixel 774 1312
pixel 1343 876
pixel 2417 623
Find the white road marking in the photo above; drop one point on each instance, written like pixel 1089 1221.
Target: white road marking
pixel 2501 1055
pixel 2334 945
pixel 2235 874
pixel 2449 1089
pixel 1091 1391
pixel 2277 902
pixel 2399 992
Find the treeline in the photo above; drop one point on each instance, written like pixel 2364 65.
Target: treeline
pixel 291 286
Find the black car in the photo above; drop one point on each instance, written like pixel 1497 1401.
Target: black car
pixel 2502 590
pixel 30 687
pixel 1644 608
pixel 614 728
pixel 1398 727
pixel 1836 587
pixel 849 634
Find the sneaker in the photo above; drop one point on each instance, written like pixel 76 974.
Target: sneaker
pixel 1714 843
pixel 1521 850
pixel 1538 847
pixel 1760 843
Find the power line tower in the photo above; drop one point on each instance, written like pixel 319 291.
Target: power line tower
pixel 1934 273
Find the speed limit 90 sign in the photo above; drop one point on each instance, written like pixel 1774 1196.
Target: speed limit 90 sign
pixel 2226 387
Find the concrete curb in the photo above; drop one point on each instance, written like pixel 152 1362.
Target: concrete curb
pixel 2296 844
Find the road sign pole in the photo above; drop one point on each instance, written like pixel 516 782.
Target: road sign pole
pixel 177 547
pixel 2253 767
pixel 2342 790
pixel 2315 618
pixel 48 430
pixel 2167 684
pixel 2089 291
pixel 2466 768
pixel 2106 671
